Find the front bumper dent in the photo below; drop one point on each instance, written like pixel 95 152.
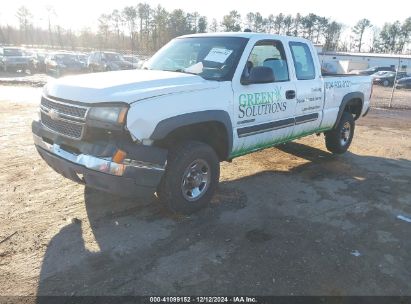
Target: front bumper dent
pixel 135 178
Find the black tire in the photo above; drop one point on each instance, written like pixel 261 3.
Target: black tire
pixel 173 187
pixel 339 139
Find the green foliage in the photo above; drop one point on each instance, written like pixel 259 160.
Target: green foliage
pixel 232 22
pixel 359 29
pixel 394 37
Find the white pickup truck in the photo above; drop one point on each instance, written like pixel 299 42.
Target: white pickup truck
pixel 200 100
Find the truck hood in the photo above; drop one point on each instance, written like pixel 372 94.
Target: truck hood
pixel 125 86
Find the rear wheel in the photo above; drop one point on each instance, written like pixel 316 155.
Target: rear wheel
pixel 339 139
pixel 191 177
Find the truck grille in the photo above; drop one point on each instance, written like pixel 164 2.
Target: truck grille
pixel 62 127
pixel 65 119
pixel 62 108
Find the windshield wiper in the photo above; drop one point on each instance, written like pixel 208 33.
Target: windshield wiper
pixel 182 71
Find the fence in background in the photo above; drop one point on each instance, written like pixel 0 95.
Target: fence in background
pixel 384 97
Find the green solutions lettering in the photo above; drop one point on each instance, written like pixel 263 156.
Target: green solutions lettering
pixel 263 103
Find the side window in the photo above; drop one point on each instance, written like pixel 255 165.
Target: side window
pixel 303 61
pixel 269 53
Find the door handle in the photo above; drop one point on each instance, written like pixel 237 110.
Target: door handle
pixel 290 94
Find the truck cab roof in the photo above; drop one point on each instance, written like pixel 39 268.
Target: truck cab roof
pixel 248 35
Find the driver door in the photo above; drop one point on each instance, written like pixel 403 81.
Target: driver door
pixel 264 112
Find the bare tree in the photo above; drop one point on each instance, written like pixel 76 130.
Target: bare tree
pixel 24 17
pixel 104 28
pixel 51 12
pixel 213 26
pixel 160 19
pixel 116 20
pixel 155 26
pixel 130 16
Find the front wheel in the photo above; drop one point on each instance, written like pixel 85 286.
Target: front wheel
pixel 339 139
pixel 191 177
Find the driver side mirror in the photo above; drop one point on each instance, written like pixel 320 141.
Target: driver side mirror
pixel 260 74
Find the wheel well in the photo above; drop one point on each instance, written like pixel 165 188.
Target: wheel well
pixel 212 133
pixel 354 106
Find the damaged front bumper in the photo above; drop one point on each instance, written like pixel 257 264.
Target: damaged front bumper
pixel 138 175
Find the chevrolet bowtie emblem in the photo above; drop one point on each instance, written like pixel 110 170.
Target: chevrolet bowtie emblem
pixel 54 115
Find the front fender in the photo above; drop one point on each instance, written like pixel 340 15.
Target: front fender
pixel 168 125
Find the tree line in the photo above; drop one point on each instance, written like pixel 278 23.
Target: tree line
pixel 144 29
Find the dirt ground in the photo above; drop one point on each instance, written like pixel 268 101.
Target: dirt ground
pixel 292 220
pixel 23 78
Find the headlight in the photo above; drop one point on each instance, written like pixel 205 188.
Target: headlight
pixel 106 117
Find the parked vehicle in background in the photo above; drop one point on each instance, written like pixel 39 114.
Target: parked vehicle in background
pixel 403 83
pixel 386 78
pixel 60 63
pixel 376 69
pixel 37 61
pixel 13 59
pixel 83 58
pixel 200 100
pixel 107 61
pixel 133 59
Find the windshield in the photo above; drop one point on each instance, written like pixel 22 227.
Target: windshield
pixel 113 57
pixel 381 73
pixel 12 52
pixel 65 58
pixel 130 58
pixel 213 58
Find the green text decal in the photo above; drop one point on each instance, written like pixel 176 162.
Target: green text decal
pixel 261 103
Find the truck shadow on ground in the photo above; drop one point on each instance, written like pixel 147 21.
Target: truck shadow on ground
pixel 269 233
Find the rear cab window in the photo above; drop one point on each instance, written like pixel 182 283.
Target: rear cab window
pixel 303 61
pixel 269 53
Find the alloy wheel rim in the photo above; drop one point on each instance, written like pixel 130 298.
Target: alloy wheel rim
pixel 196 180
pixel 345 133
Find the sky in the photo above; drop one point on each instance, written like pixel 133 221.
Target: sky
pixel 78 14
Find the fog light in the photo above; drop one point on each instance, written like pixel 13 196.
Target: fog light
pixel 119 156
